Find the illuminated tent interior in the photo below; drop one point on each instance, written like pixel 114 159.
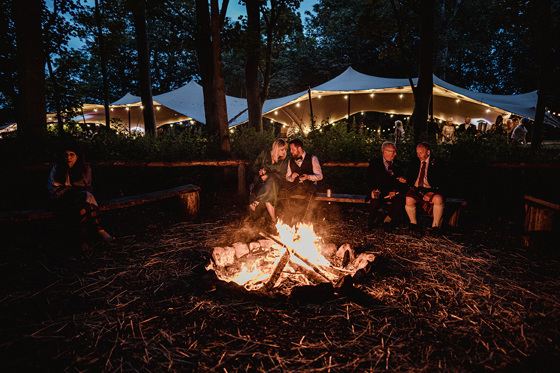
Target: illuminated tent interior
pixel 183 104
pixel 349 93
pixel 129 110
pixel 352 92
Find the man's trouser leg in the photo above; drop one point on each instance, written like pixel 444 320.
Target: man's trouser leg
pixel 309 192
pixel 397 205
pixel 374 205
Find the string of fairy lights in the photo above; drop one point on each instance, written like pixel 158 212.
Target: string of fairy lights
pixel 306 130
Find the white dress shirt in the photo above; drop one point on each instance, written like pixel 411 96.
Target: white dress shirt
pixel 317 174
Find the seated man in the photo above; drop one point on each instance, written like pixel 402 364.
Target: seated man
pixel 426 178
pixel 385 183
pixel 303 173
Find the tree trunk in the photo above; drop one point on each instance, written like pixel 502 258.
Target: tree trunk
pixel 31 104
pixel 219 83
pixel 138 8
pixel 52 75
pixel 103 60
pixel 544 42
pixel 56 93
pixel 205 60
pixel 254 105
pixel 423 91
pixel 270 31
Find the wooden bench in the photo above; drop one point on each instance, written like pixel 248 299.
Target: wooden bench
pixel 539 214
pixel 453 205
pixel 335 197
pixel 189 202
pixel 542 227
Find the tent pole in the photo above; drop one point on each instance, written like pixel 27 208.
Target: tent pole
pixel 83 116
pixel 432 106
pixel 311 107
pixel 348 113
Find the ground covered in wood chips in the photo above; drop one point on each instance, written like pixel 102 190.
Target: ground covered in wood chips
pixel 470 300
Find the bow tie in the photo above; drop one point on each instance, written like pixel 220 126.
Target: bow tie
pixel 299 158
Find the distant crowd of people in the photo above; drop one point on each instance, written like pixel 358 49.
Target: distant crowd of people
pixel 514 130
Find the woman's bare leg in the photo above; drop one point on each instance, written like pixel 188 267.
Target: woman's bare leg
pixel 271 211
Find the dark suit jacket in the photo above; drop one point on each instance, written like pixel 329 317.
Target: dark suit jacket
pixel 471 130
pixel 435 170
pixel 379 178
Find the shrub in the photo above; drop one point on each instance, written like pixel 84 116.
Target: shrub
pixel 330 143
pixel 247 143
pixel 336 143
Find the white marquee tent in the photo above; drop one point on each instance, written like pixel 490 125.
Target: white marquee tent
pixel 352 92
pixel 183 104
pixel 349 93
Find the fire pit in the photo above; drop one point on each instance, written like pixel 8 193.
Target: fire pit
pixel 293 257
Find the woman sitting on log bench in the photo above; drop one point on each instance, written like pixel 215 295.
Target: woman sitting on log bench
pixel 270 167
pixel 70 187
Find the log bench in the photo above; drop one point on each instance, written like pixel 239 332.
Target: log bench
pixel 188 196
pixel 539 213
pixel 542 226
pixel 453 206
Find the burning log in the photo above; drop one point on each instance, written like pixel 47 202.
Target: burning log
pixel 311 275
pixel 339 272
pixel 278 270
pixel 259 265
pixel 297 255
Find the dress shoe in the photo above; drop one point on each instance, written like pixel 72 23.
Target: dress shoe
pixel 388 227
pixel 414 230
pixel 413 227
pixel 371 226
pixel 434 232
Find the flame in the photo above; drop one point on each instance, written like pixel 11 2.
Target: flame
pixel 301 238
pixel 245 276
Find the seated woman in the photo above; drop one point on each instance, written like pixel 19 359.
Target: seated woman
pixel 270 167
pixel 70 187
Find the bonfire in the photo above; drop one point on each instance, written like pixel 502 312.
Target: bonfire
pixel 294 256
